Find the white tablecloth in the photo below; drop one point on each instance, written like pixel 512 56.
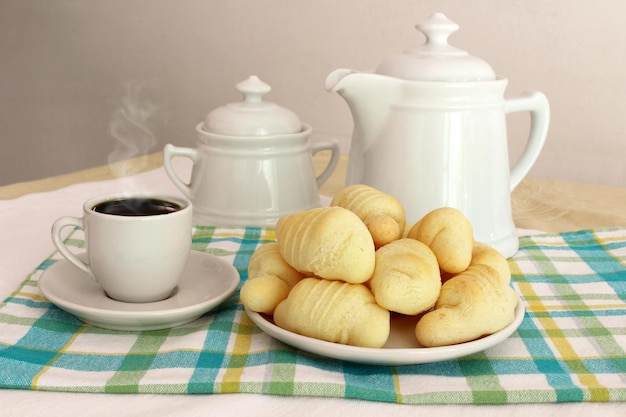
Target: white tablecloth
pixel 25 241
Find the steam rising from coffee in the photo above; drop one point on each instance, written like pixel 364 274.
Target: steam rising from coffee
pixel 132 127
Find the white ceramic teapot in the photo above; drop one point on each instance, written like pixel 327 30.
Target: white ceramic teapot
pixel 430 129
pixel 253 163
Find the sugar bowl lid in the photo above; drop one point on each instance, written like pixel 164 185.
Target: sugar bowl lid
pixel 436 60
pixel 252 116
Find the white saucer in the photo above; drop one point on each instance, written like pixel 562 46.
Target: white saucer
pixel 401 347
pixel 206 282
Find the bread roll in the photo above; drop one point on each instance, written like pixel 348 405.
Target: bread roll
pixel 449 234
pixel 334 311
pixel 471 304
pixel 270 278
pixel 382 213
pixel 406 278
pixel 328 242
pixel 484 254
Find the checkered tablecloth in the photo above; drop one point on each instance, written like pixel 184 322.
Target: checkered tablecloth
pixel 570 346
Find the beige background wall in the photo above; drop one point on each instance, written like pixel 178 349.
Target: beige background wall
pixel 69 68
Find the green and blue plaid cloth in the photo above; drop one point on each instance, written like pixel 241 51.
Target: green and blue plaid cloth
pixel 570 346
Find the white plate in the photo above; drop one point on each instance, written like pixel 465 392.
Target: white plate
pixel 401 347
pixel 206 282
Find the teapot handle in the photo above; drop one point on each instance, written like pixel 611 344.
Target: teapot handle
pixel 333 147
pixel 169 153
pixel 537 104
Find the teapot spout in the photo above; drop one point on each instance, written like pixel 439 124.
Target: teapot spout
pixel 334 80
pixel 366 93
pixel 369 97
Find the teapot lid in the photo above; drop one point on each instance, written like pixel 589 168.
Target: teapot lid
pixel 436 60
pixel 252 116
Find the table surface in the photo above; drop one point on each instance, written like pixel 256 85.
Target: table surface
pixel 538 204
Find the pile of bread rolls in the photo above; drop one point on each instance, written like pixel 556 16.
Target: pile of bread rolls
pixel 338 273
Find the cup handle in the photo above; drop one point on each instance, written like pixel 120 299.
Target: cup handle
pixel 169 153
pixel 57 227
pixel 537 104
pixel 329 145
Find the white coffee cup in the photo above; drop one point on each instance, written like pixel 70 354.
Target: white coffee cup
pixel 137 254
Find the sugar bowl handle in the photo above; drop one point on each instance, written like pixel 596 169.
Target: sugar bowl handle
pixel 328 145
pixel 169 153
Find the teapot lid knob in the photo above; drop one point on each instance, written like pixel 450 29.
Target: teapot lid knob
pixel 252 116
pixel 437 29
pixel 436 60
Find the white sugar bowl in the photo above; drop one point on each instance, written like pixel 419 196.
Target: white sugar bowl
pixel 252 164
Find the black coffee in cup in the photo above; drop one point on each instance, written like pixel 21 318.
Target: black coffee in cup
pixel 137 207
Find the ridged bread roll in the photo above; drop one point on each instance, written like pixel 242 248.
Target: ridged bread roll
pixel 406 279
pixel 334 311
pixel 328 242
pixel 270 278
pixel 382 213
pixel 471 304
pixel 449 234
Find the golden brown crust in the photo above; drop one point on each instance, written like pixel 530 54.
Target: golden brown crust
pixel 406 279
pixel 270 278
pixel 472 304
pixel 449 234
pixel 334 311
pixel 484 254
pixel 327 242
pixel 382 213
